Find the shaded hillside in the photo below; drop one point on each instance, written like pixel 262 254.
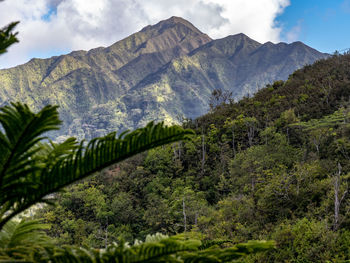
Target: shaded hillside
pixel 160 73
pixel 313 91
pixel 236 63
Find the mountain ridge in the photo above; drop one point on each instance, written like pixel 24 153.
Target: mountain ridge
pixel 162 72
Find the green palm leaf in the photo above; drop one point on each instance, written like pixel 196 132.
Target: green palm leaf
pixel 7 37
pixel 23 233
pixel 22 239
pixel 32 168
pixel 19 164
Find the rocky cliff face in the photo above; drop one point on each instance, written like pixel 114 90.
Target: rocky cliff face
pixel 162 72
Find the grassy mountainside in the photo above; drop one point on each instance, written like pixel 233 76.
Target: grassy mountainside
pixel 162 72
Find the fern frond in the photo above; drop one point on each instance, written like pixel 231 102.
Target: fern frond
pixel 227 254
pixel 164 250
pixel 211 243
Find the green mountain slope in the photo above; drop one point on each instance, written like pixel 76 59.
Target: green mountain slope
pixel 271 166
pixel 160 73
pixel 235 63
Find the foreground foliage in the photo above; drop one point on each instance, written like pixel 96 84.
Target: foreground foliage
pixel 26 242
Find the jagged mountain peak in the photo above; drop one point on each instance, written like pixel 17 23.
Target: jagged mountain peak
pixel 170 23
pixel 171 33
pixel 269 44
pixel 237 39
pixel 240 39
pixel 241 36
pixel 229 45
pixel 301 45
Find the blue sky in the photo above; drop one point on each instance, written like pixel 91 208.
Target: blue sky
pixel 55 27
pixel 321 24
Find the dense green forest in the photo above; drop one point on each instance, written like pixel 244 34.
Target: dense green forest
pixel 272 166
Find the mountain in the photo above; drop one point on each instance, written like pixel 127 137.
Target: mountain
pixel 235 63
pixel 163 72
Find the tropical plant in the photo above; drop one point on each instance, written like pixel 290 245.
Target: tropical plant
pixel 18 239
pixel 32 167
pixel 7 37
pixel 156 248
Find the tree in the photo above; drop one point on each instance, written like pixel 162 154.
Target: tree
pixel 232 125
pixel 321 129
pixel 338 197
pixel 219 97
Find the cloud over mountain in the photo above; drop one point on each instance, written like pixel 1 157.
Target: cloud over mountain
pixel 58 26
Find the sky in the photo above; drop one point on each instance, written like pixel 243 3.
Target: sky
pixel 54 27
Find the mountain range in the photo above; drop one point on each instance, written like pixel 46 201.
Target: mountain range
pixel 165 72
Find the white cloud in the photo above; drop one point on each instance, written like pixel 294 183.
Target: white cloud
pixel 293 34
pixel 81 24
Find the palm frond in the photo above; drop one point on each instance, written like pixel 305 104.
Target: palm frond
pixel 23 233
pixel 156 248
pixel 7 37
pixel 161 250
pixel 19 240
pixel 23 129
pixel 31 169
pixel 50 153
pixel 102 152
pixel 68 254
pixel 19 163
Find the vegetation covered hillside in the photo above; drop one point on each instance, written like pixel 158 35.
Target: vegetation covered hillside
pixel 273 166
pixel 32 168
pixel 164 71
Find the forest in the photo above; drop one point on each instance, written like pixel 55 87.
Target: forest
pixel 274 166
